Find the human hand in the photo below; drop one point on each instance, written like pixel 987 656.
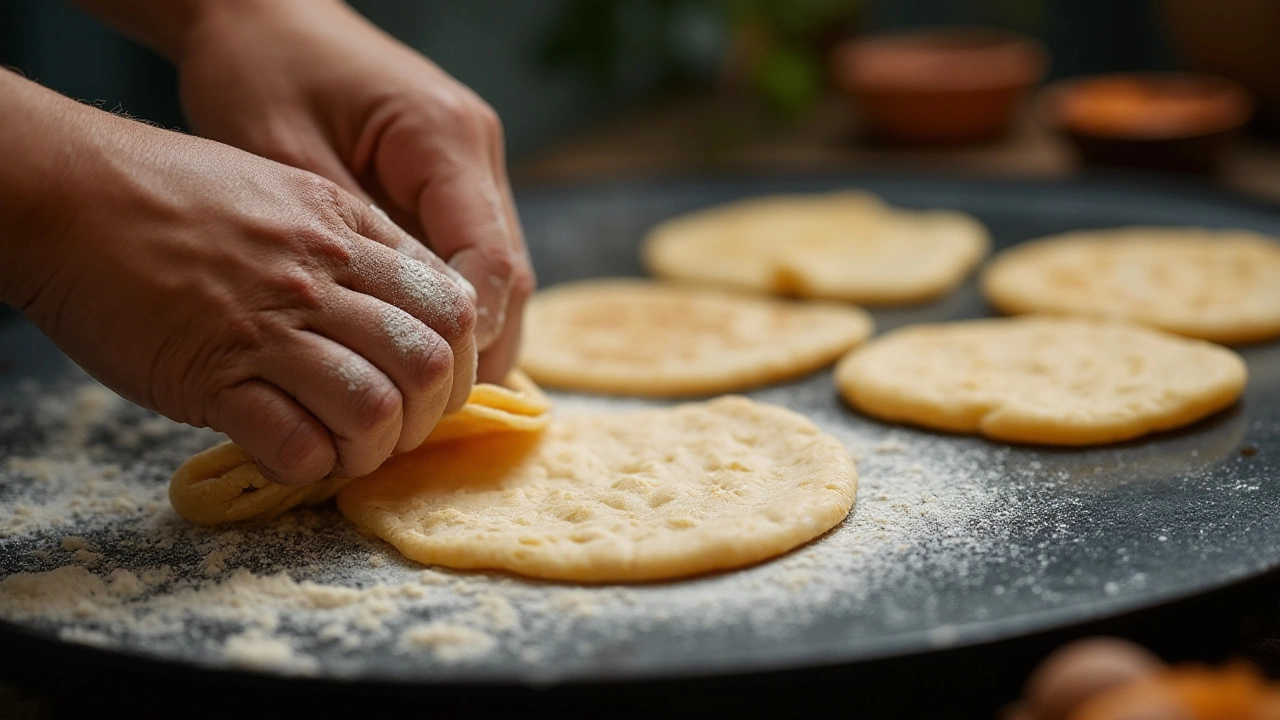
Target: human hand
pixel 226 290
pixel 313 85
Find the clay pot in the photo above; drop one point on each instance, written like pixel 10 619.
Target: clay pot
pixel 1157 121
pixel 939 85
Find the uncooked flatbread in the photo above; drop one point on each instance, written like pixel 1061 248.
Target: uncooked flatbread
pixel 1045 380
pixel 625 497
pixel 223 485
pixel 637 337
pixel 1220 285
pixel 839 246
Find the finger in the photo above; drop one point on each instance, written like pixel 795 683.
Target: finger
pixel 497 361
pixel 466 223
pixel 499 358
pixel 416 358
pixel 375 224
pixel 428 295
pixel 291 446
pixel 359 405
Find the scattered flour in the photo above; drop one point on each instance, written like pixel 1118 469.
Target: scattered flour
pixel 307 594
pixel 253 649
pixel 447 642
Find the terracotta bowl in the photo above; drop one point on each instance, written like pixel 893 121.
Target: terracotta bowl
pixel 1158 121
pixel 940 85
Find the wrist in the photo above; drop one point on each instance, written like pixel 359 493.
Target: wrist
pixel 33 158
pixel 59 156
pixel 211 20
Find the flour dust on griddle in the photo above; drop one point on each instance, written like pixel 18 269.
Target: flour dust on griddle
pixel 91 552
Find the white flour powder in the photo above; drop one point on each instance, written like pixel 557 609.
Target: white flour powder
pixel 91 550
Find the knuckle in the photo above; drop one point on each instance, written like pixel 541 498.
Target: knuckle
pixel 300 446
pixel 318 190
pixel 453 109
pixel 523 283
pixel 465 115
pixel 299 288
pixel 434 364
pixel 488 117
pixel 464 317
pixel 498 261
pixel 317 242
pixel 375 406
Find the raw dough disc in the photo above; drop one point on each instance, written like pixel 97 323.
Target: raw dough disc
pixel 839 246
pixel 637 337
pixel 1220 285
pixel 223 485
pixel 645 495
pixel 1047 380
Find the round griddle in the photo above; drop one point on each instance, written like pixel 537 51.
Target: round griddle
pixel 1065 536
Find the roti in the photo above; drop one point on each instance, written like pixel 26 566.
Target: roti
pixel 1044 380
pixel 638 337
pixel 1220 285
pixel 223 484
pixel 846 246
pixel 626 497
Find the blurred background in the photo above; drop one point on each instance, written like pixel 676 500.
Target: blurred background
pixel 609 87
pixel 593 89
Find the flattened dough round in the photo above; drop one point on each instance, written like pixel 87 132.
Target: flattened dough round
pixel 1044 380
pixel 838 246
pixel 223 484
pixel 635 496
pixel 637 337
pixel 1220 285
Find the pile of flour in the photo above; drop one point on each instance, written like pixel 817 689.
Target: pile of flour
pixel 91 551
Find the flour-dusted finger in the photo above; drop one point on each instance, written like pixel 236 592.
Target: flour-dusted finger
pixel 361 407
pixel 415 357
pixel 427 294
pixel 290 445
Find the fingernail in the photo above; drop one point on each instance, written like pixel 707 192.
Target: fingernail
pixel 267 472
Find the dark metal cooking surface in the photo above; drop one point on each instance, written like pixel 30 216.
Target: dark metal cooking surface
pixel 1025 539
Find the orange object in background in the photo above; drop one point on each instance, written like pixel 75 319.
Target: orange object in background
pixel 1236 692
pixel 938 86
pixel 1154 106
pixel 1160 121
pixel 1104 678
